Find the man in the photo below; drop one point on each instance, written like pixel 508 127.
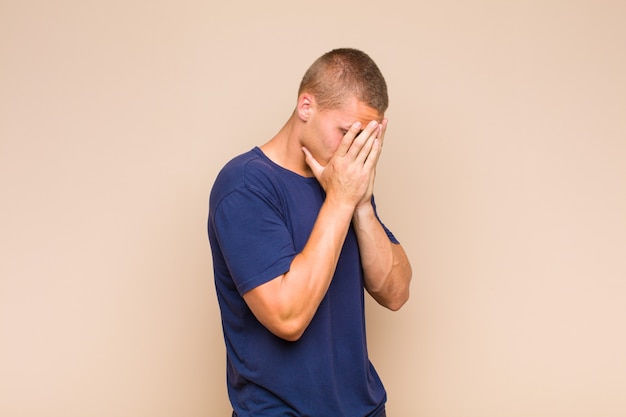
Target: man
pixel 296 239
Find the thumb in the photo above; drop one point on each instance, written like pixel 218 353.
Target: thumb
pixel 312 163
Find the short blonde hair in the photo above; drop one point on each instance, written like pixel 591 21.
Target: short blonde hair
pixel 343 73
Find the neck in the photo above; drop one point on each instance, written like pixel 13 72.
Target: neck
pixel 285 149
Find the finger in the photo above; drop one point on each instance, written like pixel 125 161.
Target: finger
pixel 383 126
pixel 348 138
pixel 315 166
pixel 366 149
pixel 380 135
pixel 358 145
pixel 372 157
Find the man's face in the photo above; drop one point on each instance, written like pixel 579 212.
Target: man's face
pixel 328 127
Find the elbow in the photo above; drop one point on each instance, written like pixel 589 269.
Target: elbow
pixel 291 337
pixel 281 318
pixel 397 305
pixel 288 335
pixel 396 293
pixel 398 283
pixel 392 300
pixel 289 330
pixel 397 302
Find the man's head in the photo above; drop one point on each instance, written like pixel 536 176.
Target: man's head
pixel 340 88
pixel 342 74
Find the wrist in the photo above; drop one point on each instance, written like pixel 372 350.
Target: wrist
pixel 364 212
pixel 340 206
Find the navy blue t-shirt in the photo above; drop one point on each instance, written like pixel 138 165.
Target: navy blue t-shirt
pixel 260 217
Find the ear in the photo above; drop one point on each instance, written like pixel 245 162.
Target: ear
pixel 304 108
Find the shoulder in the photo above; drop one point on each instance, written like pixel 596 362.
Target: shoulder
pixel 236 171
pixel 248 172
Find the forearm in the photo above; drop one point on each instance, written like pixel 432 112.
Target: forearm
pixel 386 268
pixel 287 304
pixel 312 270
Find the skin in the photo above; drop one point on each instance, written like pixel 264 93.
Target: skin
pixel 340 147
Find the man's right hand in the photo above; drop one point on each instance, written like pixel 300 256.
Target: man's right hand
pixel 350 171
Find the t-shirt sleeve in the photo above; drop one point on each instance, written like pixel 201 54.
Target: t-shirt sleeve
pixel 390 235
pixel 253 238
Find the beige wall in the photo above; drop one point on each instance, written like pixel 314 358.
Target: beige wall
pixel 504 175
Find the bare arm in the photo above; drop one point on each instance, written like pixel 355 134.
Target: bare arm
pixel 286 304
pixel 386 267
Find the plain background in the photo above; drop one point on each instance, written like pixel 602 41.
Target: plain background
pixel 503 174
